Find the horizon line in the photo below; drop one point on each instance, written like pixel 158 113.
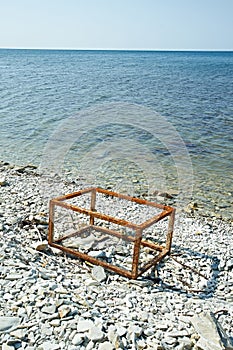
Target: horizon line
pixel 115 49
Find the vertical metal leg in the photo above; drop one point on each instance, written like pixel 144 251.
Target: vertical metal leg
pixel 170 230
pixel 93 201
pixel 136 254
pixel 51 222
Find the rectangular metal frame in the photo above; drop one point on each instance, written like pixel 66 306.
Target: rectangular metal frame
pixel 137 240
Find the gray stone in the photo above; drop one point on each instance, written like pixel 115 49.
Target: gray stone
pixel 185 344
pixel 49 346
pixel 148 331
pixel 135 329
pixel 55 323
pixel 90 345
pixel 84 325
pixel 91 282
pixel 162 326
pixel 212 335
pixel 169 340
pixel 97 254
pixel 78 339
pixel 13 276
pixel 7 347
pixel 105 346
pixel 28 310
pixel 141 283
pixel 95 334
pixel 64 310
pixel 86 242
pixel 144 316
pixel 51 309
pixel 46 330
pixel 100 303
pixel 141 344
pixel 47 274
pixel 22 312
pixel 3 181
pixel 98 273
pixel 121 330
pixel 8 296
pixel 8 323
pixel 229 264
pixel 40 246
pixel 112 336
pixel 19 333
pixel 178 334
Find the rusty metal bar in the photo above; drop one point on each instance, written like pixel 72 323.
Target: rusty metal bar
pixel 152 246
pixel 74 194
pixel 73 234
pixel 136 253
pixel 99 229
pixel 155 219
pixel 133 199
pixel 115 233
pixel 92 260
pixel 51 221
pixel 170 230
pixel 93 201
pixel 129 238
pixel 153 262
pixel 97 215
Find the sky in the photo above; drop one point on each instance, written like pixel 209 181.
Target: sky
pixel 117 24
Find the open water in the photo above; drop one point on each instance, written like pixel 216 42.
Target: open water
pixel 188 93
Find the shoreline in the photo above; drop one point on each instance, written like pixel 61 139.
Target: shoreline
pixel 194 208
pixel 57 302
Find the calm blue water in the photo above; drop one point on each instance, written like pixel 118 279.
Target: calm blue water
pixel 40 89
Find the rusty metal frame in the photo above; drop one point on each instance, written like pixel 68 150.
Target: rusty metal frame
pixel 137 240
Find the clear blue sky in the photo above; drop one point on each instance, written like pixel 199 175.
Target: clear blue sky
pixel 117 24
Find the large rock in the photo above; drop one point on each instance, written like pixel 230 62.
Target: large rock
pixel 8 323
pixel 212 336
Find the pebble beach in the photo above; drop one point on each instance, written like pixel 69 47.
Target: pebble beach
pixel 49 300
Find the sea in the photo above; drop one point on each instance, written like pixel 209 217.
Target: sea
pixel 158 122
